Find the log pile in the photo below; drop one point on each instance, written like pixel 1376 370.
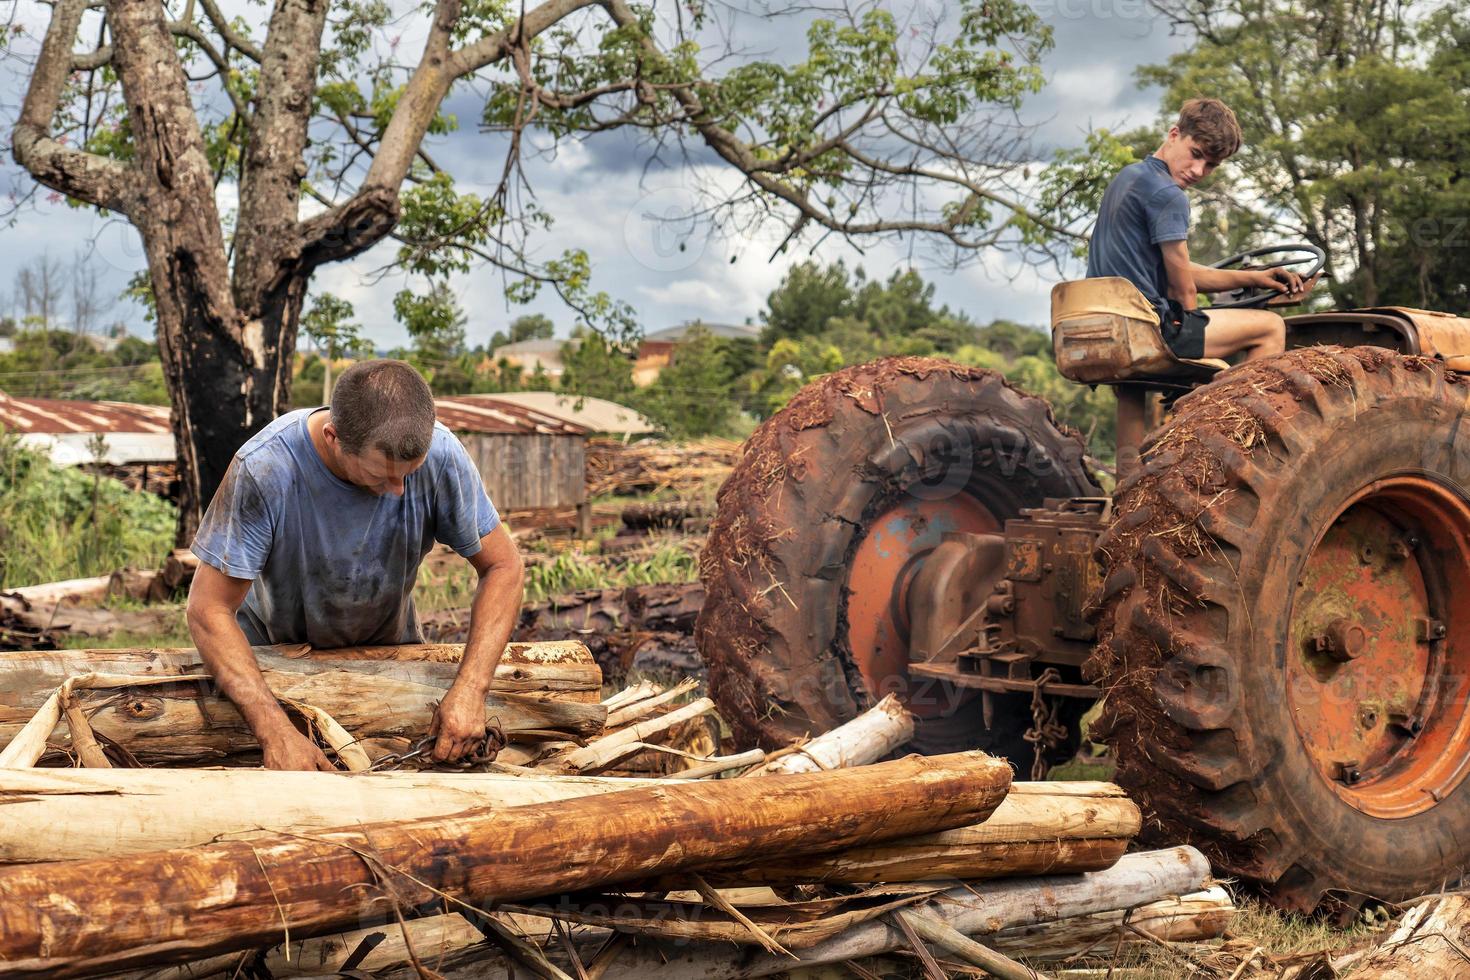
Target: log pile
pixel 36 616
pixel 639 629
pixel 650 466
pixel 821 853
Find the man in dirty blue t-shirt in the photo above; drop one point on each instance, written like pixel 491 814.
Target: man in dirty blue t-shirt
pixel 316 535
pixel 1142 235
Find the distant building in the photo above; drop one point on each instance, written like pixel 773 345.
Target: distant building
pixel 531 354
pixel 658 348
pixel 529 460
pixel 593 414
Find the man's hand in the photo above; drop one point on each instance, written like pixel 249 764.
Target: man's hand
pixel 1290 294
pixel 459 721
pixel 1281 279
pixel 290 750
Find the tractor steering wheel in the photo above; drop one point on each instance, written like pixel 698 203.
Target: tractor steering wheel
pixel 1250 297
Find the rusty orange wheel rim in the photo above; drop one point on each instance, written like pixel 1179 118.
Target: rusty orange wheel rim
pixel 877 620
pixel 1378 652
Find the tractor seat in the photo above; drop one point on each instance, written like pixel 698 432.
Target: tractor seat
pixel 1103 331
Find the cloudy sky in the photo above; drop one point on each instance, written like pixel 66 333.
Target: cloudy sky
pixel 608 202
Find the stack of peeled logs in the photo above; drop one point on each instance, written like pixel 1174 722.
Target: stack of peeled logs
pixel 144 863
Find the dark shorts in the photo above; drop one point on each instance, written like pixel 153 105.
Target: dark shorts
pixel 1184 330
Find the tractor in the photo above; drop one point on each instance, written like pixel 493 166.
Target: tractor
pixel 1272 608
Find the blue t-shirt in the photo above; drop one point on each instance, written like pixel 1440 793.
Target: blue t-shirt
pixel 1141 209
pixel 334 565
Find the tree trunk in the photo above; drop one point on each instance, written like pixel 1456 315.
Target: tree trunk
pixel 88 917
pixel 202 362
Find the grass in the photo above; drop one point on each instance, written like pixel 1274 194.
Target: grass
pixel 450 584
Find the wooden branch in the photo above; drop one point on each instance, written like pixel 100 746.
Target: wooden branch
pixel 85 917
pixel 871 735
pixel 88 177
pixel 232 37
pixel 604 752
pixel 718 764
pixel 495 47
pixel 625 714
pixel 932 928
pixel 73 814
pixel 633 692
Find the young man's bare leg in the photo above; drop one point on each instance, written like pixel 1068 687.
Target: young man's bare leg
pixel 1260 333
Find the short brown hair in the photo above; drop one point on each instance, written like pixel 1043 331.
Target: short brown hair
pixel 385 405
pixel 1212 125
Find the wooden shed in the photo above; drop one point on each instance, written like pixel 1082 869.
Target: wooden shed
pixel 529 460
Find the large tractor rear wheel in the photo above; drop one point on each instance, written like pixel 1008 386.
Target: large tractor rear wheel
pixel 834 504
pixel 1285 627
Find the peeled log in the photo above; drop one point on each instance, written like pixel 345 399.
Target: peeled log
pixel 82 918
pixel 562 666
pixel 191 723
pixel 1041 828
pixel 1189 918
pixel 79 814
pixel 1430 941
pixel 73 814
pixel 871 735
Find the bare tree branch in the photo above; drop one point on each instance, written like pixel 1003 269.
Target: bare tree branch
pixel 232 37
pixel 764 173
pixel 86 176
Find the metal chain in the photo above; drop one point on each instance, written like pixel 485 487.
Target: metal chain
pixel 419 754
pixel 1046 731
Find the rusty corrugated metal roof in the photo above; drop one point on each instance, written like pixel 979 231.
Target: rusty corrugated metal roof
pixel 461 413
pixel 484 414
pixel 54 416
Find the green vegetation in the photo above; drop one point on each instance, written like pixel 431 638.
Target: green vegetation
pixel 51 363
pixel 60 523
pixel 451 585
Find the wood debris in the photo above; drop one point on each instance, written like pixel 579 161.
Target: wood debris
pixel 821 854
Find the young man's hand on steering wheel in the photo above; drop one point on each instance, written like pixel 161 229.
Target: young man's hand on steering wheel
pixel 1290 286
pixel 1281 279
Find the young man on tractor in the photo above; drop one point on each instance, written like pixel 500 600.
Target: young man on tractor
pixel 1142 235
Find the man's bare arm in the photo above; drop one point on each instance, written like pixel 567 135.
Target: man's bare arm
pixel 1180 272
pixel 1281 279
pixel 214 597
pixel 460 720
